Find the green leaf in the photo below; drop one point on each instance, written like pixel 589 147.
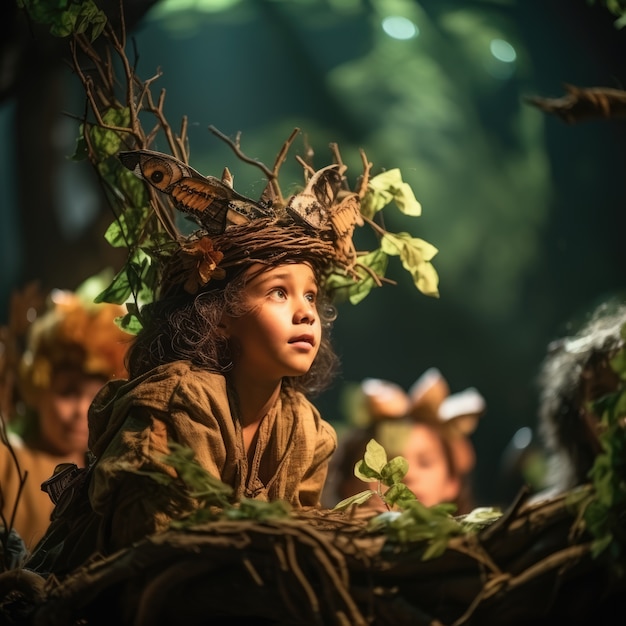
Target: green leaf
pixel 200 482
pixel 66 18
pixel 106 142
pixel 480 517
pixel 399 495
pixel 130 323
pixel 345 287
pixel 415 250
pixel 364 472
pixel 118 291
pixel 415 255
pixel 115 233
pixel 134 189
pixel 394 471
pixel 375 456
pixel 436 548
pixel 357 499
pixel 384 188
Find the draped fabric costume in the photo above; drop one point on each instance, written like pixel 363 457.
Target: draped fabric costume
pixel 130 426
pixel 32 516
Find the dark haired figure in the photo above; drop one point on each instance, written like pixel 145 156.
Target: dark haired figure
pixel 575 373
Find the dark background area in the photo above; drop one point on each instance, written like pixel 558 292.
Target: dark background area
pixel 527 211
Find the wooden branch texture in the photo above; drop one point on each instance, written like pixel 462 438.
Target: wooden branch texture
pixel 326 568
pixel 580 104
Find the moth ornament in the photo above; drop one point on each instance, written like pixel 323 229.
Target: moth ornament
pixel 211 202
pixel 325 206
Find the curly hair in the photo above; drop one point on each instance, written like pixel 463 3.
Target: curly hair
pixel 574 373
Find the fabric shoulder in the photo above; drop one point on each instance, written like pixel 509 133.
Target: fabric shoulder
pixel 179 383
pixel 309 412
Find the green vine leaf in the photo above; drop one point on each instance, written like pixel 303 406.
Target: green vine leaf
pixel 66 18
pixel 106 142
pixel 399 495
pixel 385 188
pixel 359 498
pixel 479 518
pixel 135 191
pixel 364 472
pixel 375 457
pixel 604 509
pixel 118 291
pixel 394 471
pixel 415 255
pixel 344 287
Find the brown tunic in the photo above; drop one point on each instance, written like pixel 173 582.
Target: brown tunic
pixel 32 515
pixel 131 423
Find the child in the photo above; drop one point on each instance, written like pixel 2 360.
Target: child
pixel 427 426
pixel 575 373
pixel 236 338
pixel 72 350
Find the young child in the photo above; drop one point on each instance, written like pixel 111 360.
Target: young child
pixel 222 372
pixel 72 349
pixel 427 426
pixel 575 373
pixel 229 350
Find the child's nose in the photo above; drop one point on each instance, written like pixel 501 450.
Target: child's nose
pixel 306 313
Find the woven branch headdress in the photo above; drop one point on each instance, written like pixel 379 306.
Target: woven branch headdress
pixel 316 224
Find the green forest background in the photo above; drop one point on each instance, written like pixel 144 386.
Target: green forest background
pixel 526 211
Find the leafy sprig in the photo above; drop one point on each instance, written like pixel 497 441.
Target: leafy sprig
pixel 603 508
pixel 214 498
pixel 407 520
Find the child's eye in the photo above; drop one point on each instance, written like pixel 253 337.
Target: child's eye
pixel 278 292
pixel 311 297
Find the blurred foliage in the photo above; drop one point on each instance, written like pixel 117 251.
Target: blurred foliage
pixel 66 18
pixel 214 498
pixel 617 7
pixel 603 508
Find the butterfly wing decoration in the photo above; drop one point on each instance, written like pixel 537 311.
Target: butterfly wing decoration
pixel 212 203
pixel 311 206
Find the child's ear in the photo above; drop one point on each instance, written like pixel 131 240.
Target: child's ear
pixel 223 328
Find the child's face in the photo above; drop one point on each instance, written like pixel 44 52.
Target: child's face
pixel 63 410
pixel 429 476
pixel 280 335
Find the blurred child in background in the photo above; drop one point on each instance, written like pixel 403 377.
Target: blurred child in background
pixel 71 350
pixel 575 373
pixel 428 427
